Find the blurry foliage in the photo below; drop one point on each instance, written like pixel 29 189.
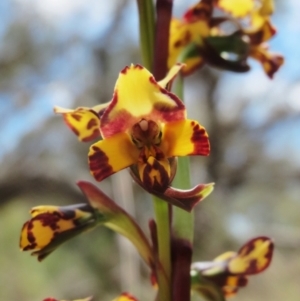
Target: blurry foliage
pixel 256 192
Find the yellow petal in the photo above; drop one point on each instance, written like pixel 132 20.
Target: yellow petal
pixel 229 291
pixel 192 64
pixel 36 234
pixel 267 7
pixel 271 62
pixel 184 138
pixel 253 257
pixel 165 82
pixel 225 256
pixel 181 35
pixel 261 29
pixel 43 209
pixel 138 95
pixel 237 8
pixel 84 122
pixel 111 155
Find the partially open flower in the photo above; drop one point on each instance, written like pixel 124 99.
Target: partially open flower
pixel 229 271
pixel 50 226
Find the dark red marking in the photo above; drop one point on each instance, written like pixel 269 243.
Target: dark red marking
pixel 77 117
pixel 156 185
pixel 104 118
pixel 138 66
pixel 252 268
pixel 75 131
pixel 30 237
pixel 152 80
pixel 200 140
pixel 99 164
pixel 95 134
pixel 184 41
pixel 93 122
pixel 124 70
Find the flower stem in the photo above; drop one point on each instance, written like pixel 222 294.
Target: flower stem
pixel 154 39
pixel 183 229
pixel 183 221
pixel 146 23
pixel 161 209
pixel 162 30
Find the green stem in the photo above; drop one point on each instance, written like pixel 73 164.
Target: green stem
pixel 147 27
pixel 161 209
pixel 183 221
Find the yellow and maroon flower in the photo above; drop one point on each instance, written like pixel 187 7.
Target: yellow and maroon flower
pixel 229 271
pixel 201 38
pixel 144 127
pixel 50 226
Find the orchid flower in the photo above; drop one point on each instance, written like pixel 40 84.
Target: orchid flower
pixel 144 127
pixel 228 272
pixel 50 226
pixel 200 37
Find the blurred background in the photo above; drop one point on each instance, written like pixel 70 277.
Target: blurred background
pixel 68 53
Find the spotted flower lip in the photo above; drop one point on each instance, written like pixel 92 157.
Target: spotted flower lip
pixel 230 270
pixel 184 199
pixel 200 37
